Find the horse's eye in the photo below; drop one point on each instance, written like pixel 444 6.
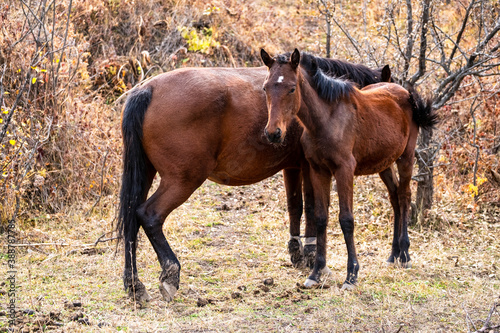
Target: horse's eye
pixel 292 91
pixel 264 88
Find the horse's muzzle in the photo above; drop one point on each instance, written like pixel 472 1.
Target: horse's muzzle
pixel 275 137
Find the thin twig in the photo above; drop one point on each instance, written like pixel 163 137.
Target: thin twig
pixel 99 240
pixel 64 44
pixel 101 185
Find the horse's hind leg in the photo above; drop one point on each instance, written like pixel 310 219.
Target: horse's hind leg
pixel 405 168
pixel 298 182
pixel 132 284
pixel 293 184
pixel 310 232
pixel 171 193
pixel 390 180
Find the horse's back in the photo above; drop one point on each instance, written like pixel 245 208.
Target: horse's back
pixel 386 101
pixel 198 90
pixel 386 89
pixel 213 119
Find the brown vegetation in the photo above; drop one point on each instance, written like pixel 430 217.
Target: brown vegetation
pixel 64 65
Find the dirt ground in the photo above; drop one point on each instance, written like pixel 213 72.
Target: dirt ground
pixel 236 275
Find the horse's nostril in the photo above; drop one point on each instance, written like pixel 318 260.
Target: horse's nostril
pixel 274 137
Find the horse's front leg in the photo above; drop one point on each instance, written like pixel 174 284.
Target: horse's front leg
pixel 345 178
pixel 293 188
pixel 321 183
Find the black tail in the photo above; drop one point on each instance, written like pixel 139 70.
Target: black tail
pixel 423 113
pixel 134 178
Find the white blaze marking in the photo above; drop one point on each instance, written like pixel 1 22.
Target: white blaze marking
pixel 280 79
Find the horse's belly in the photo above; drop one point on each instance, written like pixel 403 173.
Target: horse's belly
pixel 377 160
pixel 251 167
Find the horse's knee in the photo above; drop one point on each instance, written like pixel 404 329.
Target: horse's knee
pixel 309 209
pixel 347 224
pixel 149 221
pixel 141 214
pixel 321 224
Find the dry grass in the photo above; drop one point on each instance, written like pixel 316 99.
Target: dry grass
pixel 230 239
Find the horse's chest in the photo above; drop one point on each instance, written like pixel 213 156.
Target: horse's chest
pixel 317 151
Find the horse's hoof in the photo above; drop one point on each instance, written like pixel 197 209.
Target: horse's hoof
pixel 310 283
pixel 139 293
pixel 406 264
pixel 296 251
pixel 399 264
pixel 309 255
pixel 167 291
pixel 348 286
pixel 142 297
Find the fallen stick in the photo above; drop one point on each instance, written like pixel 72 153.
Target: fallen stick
pixel 99 240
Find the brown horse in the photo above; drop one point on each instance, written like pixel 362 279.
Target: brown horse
pixel 194 124
pixel 347 132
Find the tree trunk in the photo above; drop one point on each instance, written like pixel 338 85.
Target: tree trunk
pixel 425 187
pixel 328 35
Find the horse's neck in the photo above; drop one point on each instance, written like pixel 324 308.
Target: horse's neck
pixel 313 112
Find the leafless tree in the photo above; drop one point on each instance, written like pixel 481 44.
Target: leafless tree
pixel 422 53
pixel 325 8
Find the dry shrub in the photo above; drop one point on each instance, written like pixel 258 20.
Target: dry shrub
pixel 64 127
pixel 55 139
pixel 470 148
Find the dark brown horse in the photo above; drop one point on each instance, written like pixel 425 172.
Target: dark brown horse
pixel 194 124
pixel 347 132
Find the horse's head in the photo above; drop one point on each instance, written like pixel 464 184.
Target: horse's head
pixel 282 93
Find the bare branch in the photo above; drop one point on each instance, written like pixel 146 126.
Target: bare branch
pixel 353 41
pixel 423 42
pixel 460 33
pixel 328 17
pixel 487 326
pixel 410 39
pixel 64 44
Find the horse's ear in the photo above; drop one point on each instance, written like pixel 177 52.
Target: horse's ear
pixel 314 65
pixel 266 58
pixel 386 74
pixel 295 59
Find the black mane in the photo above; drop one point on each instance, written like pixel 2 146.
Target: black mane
pixel 331 88
pixel 357 73
pixel 331 78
